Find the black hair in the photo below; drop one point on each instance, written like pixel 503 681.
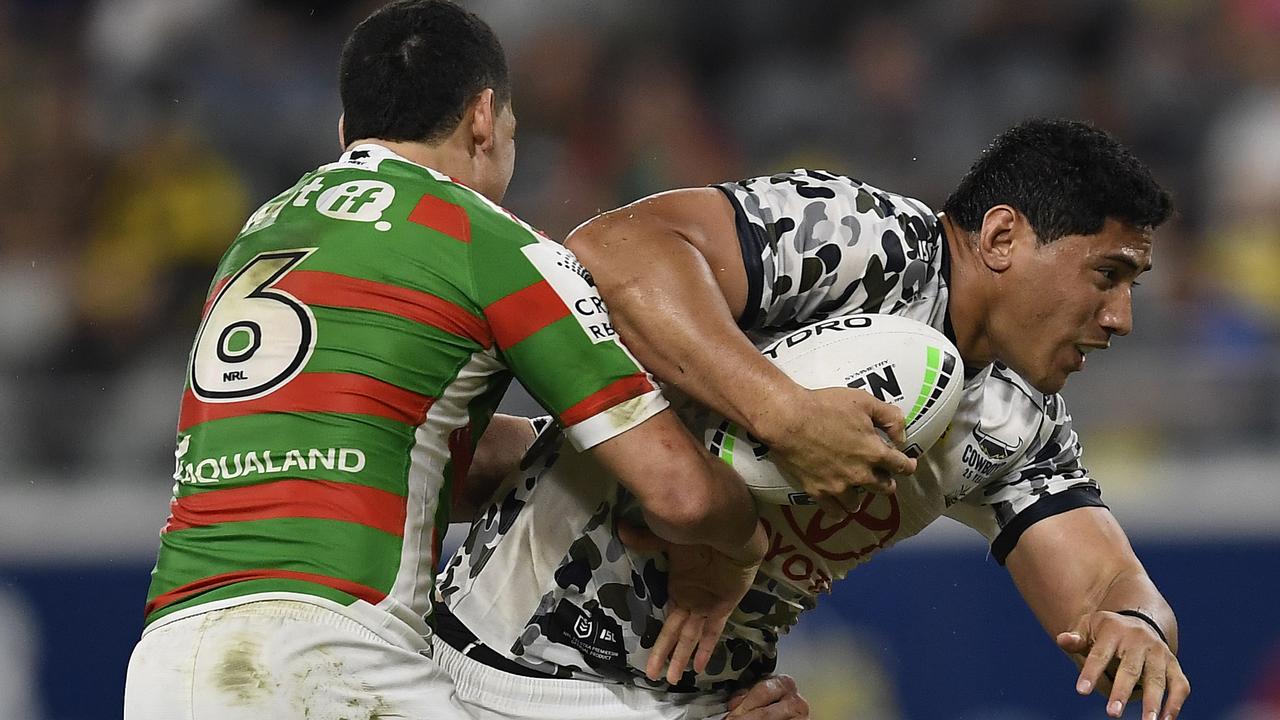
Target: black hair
pixel 1066 177
pixel 409 69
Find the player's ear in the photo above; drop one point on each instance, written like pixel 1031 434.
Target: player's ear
pixel 481 118
pixel 342 134
pixel 998 236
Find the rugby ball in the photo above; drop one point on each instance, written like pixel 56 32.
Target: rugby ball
pixel 900 361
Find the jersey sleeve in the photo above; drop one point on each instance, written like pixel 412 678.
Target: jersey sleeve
pixel 1047 481
pixel 554 333
pixel 816 244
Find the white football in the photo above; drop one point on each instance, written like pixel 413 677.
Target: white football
pixel 900 361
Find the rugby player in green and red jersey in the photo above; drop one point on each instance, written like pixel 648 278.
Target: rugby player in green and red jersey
pixel 357 337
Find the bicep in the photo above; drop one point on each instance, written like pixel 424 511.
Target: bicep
pixel 691 228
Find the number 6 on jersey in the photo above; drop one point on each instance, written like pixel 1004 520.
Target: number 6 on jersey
pixel 255 338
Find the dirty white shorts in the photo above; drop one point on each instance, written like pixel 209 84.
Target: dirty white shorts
pixel 284 660
pixel 493 694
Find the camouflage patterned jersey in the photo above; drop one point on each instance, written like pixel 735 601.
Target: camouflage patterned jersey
pixel 815 245
pixel 358 335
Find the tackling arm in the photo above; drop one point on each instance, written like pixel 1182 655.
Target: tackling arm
pixel 671 270
pixel 497 455
pixel 1080 577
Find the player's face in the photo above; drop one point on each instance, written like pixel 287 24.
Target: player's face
pixel 1067 298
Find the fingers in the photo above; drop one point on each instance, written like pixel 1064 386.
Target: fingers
pixel 890 419
pixel 884 484
pixel 892 460
pixel 1179 688
pixel 773 698
pixel 1153 684
pixel 766 691
pixel 1094 665
pixel 665 643
pixel 1073 643
pixel 1132 661
pixel 690 635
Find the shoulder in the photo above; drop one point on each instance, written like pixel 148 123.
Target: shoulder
pixel 801 212
pixel 801 195
pixel 822 244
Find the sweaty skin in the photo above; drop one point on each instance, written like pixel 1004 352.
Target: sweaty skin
pixel 671 271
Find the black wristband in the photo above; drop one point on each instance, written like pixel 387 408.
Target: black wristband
pixel 1146 619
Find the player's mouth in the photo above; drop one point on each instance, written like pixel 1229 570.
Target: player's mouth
pixel 1081 350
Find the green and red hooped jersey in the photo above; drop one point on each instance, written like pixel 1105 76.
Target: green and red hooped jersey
pixel 357 338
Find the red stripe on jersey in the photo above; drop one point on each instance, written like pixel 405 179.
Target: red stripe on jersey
pixel 524 312
pixel 364 592
pixel 320 499
pixel 442 216
pixel 615 392
pixel 317 392
pixel 314 287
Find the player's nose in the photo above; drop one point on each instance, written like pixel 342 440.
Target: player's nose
pixel 1116 316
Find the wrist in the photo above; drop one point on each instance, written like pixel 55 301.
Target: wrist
pixel 751 552
pixel 774 421
pixel 1134 613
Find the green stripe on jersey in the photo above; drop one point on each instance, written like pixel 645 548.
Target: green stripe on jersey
pixel 369 343
pixel 580 368
pixel 320 438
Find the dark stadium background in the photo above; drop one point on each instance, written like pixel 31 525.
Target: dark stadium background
pixel 136 135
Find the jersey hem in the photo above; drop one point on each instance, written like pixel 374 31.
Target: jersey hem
pixel 382 623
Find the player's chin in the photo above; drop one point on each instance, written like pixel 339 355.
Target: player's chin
pixel 1051 381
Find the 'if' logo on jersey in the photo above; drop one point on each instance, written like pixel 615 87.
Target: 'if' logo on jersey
pixel 356 200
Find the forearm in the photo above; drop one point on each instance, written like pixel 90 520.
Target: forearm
pixel 497 455
pixel 722 516
pixel 687 496
pixel 1077 563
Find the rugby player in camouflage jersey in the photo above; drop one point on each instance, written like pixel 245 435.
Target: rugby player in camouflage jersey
pixel 1029 268
pixel 358 335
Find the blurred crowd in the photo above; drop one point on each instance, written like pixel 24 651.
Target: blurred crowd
pixel 136 136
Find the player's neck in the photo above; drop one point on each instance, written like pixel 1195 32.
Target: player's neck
pixel 446 157
pixel 968 297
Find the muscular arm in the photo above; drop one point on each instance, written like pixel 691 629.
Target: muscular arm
pixel 678 504
pixel 688 497
pixel 497 455
pixel 671 270
pixel 1077 569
